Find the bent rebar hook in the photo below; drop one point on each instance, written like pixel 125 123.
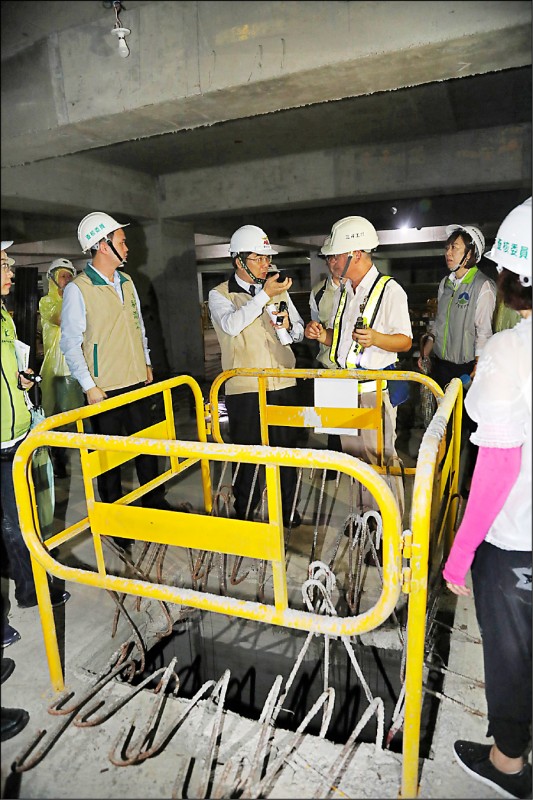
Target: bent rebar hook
pixel 134 752
pixel 219 697
pixel 23 762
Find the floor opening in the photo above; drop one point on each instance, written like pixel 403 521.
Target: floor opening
pixel 207 644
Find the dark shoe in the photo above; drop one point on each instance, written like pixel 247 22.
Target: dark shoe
pixel 242 514
pixel 331 474
pixel 164 505
pixel 296 520
pixel 161 505
pixel 13 720
pixel 474 759
pixel 60 471
pixel 370 559
pixel 57 597
pixel 122 544
pixel 8 665
pixel 9 636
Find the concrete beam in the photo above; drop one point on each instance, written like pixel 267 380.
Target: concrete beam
pixel 198 63
pixel 483 160
pixel 75 184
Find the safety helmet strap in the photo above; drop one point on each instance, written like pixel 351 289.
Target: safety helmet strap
pixel 260 281
pixel 113 248
pixel 345 270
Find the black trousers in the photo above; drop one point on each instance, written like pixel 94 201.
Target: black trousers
pixel 17 553
pixel 442 372
pixel 502 591
pixel 244 428
pixel 127 420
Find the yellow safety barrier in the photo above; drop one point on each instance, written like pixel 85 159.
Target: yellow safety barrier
pixel 435 487
pixel 428 495
pixel 317 417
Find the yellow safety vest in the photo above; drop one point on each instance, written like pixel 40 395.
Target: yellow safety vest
pixel 370 310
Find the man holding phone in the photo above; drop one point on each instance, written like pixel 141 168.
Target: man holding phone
pixel 247 331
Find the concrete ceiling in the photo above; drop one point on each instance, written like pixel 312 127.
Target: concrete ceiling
pixel 465 104
pixel 482 101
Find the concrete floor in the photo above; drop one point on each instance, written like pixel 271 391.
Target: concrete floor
pixel 191 760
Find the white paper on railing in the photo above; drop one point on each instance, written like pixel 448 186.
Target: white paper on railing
pixel 22 352
pixel 336 393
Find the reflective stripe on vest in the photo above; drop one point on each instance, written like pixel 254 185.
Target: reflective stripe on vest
pixel 370 310
pixel 370 386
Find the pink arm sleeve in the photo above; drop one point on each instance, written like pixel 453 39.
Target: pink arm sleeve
pixel 494 476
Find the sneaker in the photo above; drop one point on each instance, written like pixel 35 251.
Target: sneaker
pixel 474 759
pixel 9 635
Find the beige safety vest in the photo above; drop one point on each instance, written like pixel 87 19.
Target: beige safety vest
pixel 255 347
pixel 112 342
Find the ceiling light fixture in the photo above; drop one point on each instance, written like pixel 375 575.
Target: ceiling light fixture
pixel 119 31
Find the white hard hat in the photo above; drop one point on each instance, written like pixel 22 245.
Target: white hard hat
pixel 251 239
pixel 325 244
pixel 5 245
pixel 512 247
pixel 61 263
pixel 95 226
pixel 474 233
pixel 350 233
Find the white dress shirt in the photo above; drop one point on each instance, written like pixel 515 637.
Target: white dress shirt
pixel 392 317
pixel 233 320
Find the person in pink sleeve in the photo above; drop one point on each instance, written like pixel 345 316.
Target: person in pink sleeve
pixel 494 538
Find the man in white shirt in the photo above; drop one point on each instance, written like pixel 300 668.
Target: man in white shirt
pixel 104 343
pixel 249 339
pixel 383 305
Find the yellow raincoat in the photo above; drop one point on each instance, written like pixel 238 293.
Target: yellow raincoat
pixel 60 391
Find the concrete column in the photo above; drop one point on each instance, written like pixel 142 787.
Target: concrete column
pixel 162 263
pixel 384 265
pixel 317 268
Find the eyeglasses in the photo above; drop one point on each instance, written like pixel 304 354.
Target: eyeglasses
pixel 333 258
pixel 264 259
pixel 7 267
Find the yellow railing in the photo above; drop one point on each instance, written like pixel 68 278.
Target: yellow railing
pixel 317 417
pixel 434 498
pixel 435 484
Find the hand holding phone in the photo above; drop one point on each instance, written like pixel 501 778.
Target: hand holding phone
pixel 28 376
